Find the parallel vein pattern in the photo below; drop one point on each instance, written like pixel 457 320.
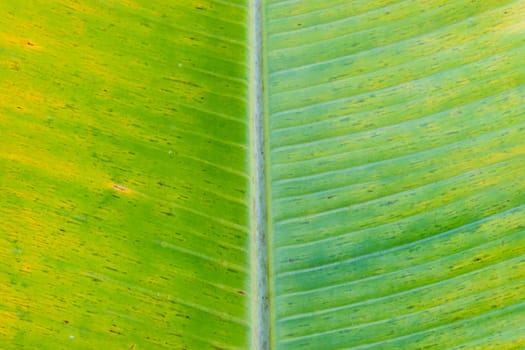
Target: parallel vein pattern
pixel 124 174
pixel 397 167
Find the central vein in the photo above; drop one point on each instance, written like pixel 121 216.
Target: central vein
pixel 259 242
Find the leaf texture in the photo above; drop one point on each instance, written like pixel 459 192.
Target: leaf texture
pixel 124 175
pixel 395 167
pixel 397 173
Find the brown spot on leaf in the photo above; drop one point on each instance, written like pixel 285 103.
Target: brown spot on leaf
pixel 118 187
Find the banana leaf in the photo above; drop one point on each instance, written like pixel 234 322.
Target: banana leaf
pixel 265 174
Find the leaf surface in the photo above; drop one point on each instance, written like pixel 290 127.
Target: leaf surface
pixel 391 172
pixel 124 175
pixel 396 170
